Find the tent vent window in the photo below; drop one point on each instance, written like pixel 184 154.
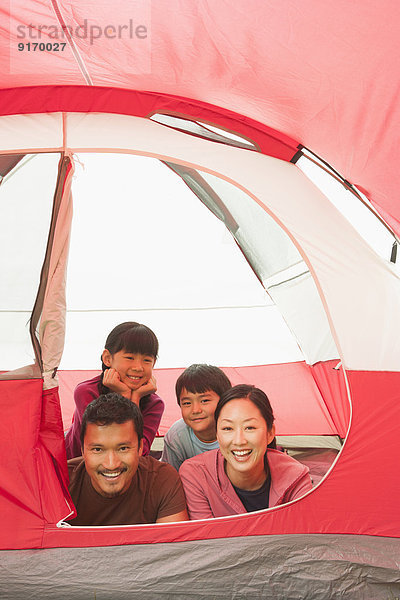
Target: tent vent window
pixel 204 130
pixel 353 205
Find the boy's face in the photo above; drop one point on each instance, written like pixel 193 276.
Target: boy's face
pixel 198 413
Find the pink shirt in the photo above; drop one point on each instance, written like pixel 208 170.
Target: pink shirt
pixel 209 492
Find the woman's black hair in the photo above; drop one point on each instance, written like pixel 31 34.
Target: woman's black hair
pixel 132 337
pixel 256 396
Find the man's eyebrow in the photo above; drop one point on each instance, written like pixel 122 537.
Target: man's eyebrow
pixel 127 443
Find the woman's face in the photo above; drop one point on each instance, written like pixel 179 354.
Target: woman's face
pixel 243 436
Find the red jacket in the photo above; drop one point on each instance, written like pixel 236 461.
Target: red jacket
pixel 209 492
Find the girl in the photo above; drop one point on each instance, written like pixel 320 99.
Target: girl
pixel 127 362
pixel 242 476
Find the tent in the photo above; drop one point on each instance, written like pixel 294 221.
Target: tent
pixel 235 102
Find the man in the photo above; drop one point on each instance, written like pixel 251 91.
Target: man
pixel 112 483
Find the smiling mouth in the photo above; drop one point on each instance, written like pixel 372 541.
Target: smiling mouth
pixel 241 454
pixel 110 475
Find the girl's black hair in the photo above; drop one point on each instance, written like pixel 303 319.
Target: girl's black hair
pixel 256 396
pixel 132 337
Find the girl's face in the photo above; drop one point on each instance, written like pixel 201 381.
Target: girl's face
pixel 243 437
pixel 134 369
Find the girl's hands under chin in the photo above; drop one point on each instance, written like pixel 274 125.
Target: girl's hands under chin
pixel 147 388
pixel 112 381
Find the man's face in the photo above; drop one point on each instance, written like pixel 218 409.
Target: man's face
pixel 111 454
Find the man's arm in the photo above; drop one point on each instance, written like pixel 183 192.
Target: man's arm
pixel 180 516
pixel 171 497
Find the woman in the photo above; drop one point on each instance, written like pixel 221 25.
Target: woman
pixel 242 476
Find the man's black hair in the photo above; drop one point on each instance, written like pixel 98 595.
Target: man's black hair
pixel 112 408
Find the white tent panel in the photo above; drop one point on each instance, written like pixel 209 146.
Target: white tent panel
pixel 31 132
pixel 141 239
pixel 15 344
pixel 282 270
pixel 339 259
pixel 144 248
pixel 298 301
pixel 267 245
pixel 26 199
pixel 234 337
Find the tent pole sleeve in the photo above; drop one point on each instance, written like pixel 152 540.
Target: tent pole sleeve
pixel 63 169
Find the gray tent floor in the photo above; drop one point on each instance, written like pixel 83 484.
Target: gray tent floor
pixel 290 567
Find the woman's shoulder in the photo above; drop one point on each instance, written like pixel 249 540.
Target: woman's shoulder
pixel 206 461
pixel 281 460
pixel 289 477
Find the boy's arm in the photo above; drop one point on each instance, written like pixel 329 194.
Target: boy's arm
pixel 171 453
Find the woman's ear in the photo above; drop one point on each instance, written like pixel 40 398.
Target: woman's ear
pixel 106 357
pixel 271 434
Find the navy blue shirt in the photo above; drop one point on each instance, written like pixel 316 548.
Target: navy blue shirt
pixel 255 499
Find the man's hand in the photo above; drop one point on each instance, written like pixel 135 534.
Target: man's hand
pixel 147 388
pixel 112 381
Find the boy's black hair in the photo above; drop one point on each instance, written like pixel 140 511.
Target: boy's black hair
pixel 201 378
pixel 112 408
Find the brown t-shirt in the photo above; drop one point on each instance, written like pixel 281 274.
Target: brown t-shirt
pixel 156 491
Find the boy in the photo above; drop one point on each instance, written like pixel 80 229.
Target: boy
pixel 198 390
